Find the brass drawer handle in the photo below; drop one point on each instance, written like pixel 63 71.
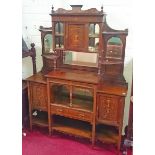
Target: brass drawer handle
pixel 105 116
pixel 108 111
pixel 108 104
pixel 59 110
pixel 81 115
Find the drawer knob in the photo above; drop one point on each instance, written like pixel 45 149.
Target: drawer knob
pixel 81 115
pixel 107 111
pixel 59 110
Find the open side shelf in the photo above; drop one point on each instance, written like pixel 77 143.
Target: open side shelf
pixel 72 126
pixel 108 134
pixel 40 118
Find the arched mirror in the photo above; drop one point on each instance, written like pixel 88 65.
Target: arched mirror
pixel 48 43
pixel 114 48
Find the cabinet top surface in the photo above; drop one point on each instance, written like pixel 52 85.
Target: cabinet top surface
pixel 37 78
pixel 75 75
pixel 81 76
pixel 112 89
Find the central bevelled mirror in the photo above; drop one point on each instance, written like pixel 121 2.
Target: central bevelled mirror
pixel 80 58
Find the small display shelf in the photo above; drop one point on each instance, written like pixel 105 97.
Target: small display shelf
pixel 72 126
pixel 39 118
pixel 108 134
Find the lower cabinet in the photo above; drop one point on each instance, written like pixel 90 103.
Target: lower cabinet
pixel 109 109
pixel 38 104
pixel 76 109
pixel 109 118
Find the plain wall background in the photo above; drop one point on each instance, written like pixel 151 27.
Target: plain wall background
pixel 36 13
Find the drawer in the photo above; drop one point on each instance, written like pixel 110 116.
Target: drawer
pixel 59 81
pixel 80 115
pixel 58 110
pixel 71 113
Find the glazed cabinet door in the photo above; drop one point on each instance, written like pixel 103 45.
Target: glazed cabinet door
pixel 110 109
pixel 38 96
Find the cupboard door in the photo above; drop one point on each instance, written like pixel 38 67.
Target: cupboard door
pixel 38 93
pixel 109 109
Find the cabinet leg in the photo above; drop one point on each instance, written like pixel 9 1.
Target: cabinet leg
pixel 30 121
pixel 49 133
pixel 93 142
pixel 93 135
pixel 30 127
pixel 118 147
pixel 119 144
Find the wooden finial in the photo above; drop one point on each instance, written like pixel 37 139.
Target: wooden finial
pixel 102 8
pixel 32 45
pixel 52 9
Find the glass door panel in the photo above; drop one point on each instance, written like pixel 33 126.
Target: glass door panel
pixel 82 98
pixel 59 94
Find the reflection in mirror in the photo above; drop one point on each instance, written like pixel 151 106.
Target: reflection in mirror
pixel 80 96
pixel 114 48
pixel 93 29
pixel 80 58
pixel 93 37
pixel 97 29
pixel 59 94
pixel 48 43
pixel 93 44
pixel 59 42
pixel 59 28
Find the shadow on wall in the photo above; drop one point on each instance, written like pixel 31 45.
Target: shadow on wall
pixel 27 68
pixel 128 71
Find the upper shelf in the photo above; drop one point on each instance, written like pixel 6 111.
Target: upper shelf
pixel 45 29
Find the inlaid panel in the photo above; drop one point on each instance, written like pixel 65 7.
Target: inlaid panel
pixel 39 96
pixel 108 108
pixel 76 35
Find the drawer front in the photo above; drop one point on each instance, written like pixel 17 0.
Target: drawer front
pixel 38 93
pixel 109 108
pixel 71 113
pixel 59 110
pixel 59 81
pixel 73 83
pixel 81 115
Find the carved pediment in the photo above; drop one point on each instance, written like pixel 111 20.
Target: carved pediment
pixel 77 10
